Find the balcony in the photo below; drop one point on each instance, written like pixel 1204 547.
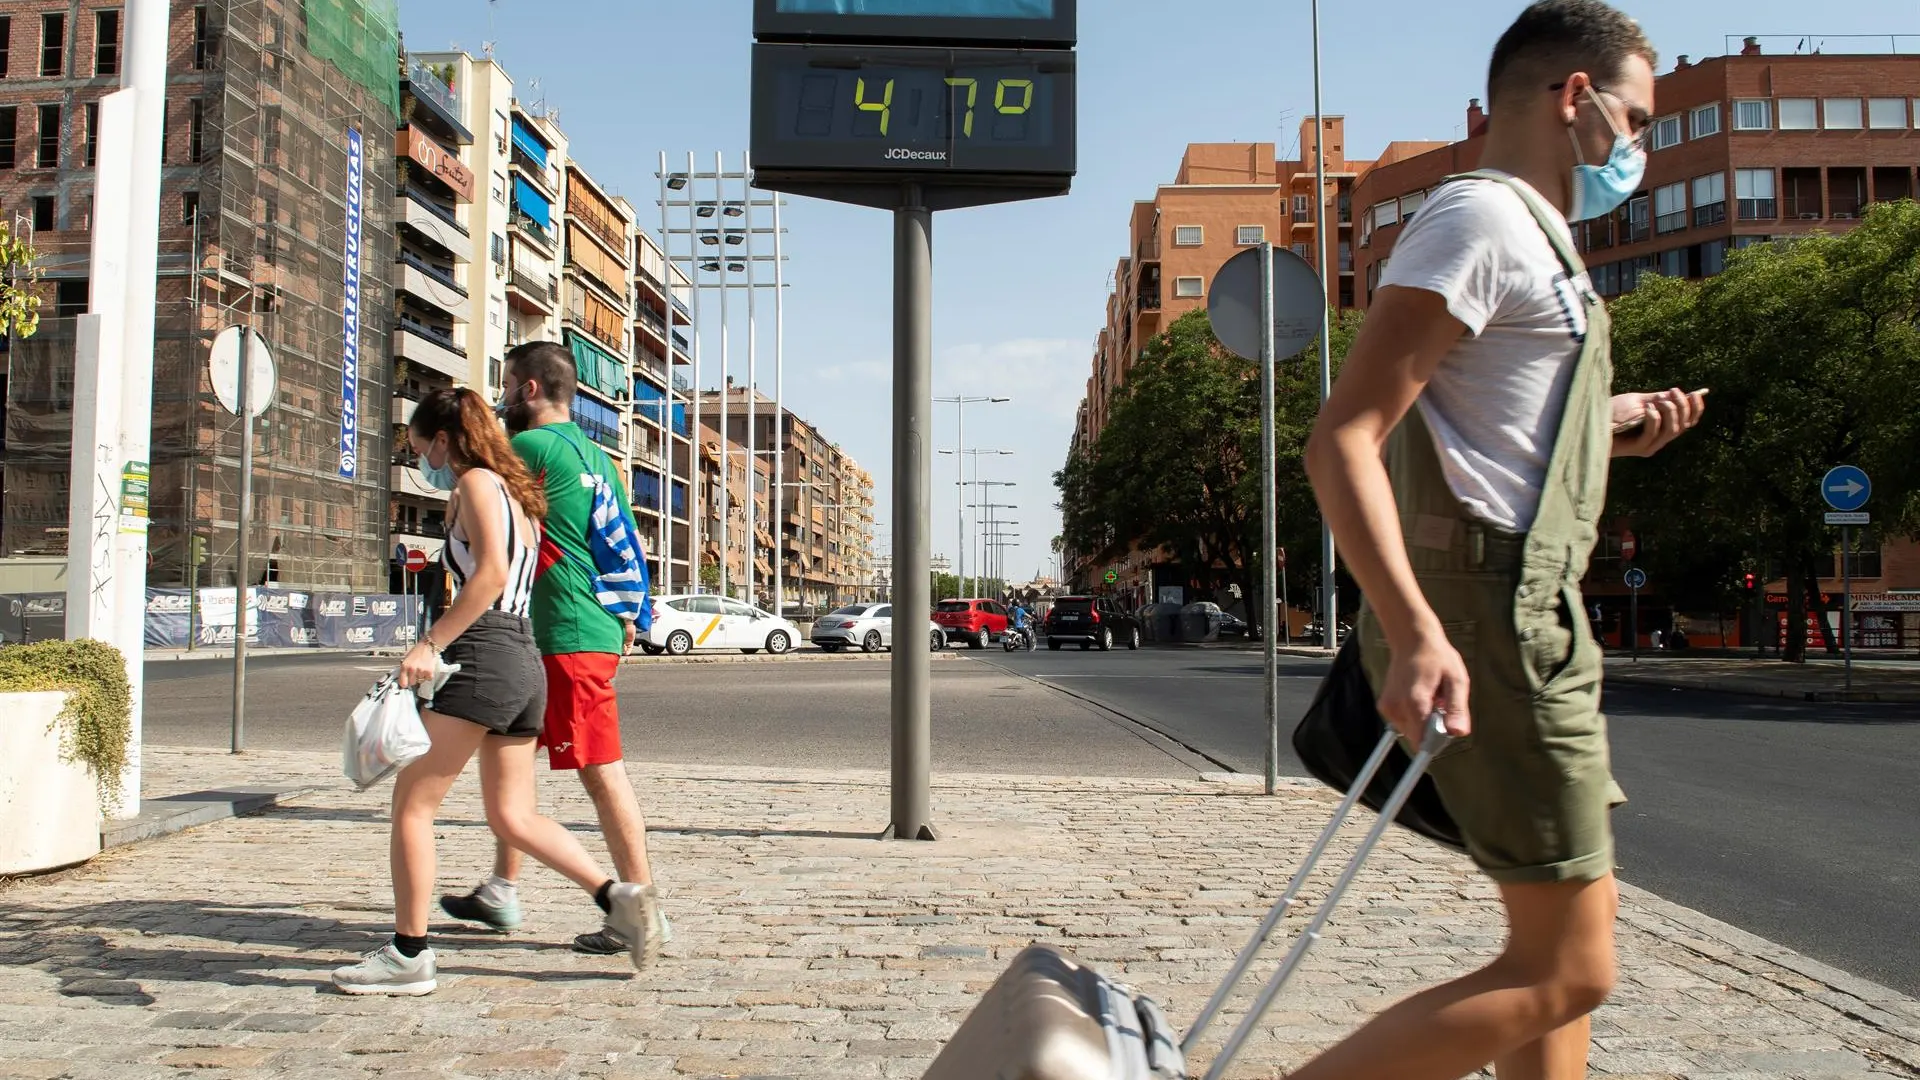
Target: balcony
pixel 432 285
pixel 402 410
pixel 538 295
pixel 1759 209
pixel 522 223
pixel 542 177
pixel 604 228
pixel 436 223
pixel 422 344
pixel 406 483
pixel 1710 214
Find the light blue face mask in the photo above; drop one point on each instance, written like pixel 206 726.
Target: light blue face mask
pixel 1600 189
pixel 439 478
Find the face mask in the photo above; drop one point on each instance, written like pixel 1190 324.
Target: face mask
pixel 517 415
pixel 437 477
pixel 1600 189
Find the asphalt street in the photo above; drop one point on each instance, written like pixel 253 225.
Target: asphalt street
pixel 1792 821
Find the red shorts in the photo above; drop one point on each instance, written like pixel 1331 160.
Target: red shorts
pixel 583 717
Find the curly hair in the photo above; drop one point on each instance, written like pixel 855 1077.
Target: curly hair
pixel 477 441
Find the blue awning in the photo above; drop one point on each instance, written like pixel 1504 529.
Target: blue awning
pixel 527 141
pixel 528 199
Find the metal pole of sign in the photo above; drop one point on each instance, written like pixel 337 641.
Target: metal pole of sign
pixel 1269 528
pixel 246 526
pixel 1633 623
pixel 1846 602
pixel 912 479
pixel 1327 553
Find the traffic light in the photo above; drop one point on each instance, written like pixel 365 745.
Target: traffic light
pixel 197 551
pixel 1749 582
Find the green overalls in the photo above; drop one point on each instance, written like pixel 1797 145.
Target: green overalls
pixel 1532 786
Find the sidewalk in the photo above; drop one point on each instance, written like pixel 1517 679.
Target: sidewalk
pixel 1817 680
pixel 807 947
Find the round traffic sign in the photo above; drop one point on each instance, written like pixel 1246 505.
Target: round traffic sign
pixel 1629 545
pixel 1636 578
pixel 1846 488
pixel 416 560
pixel 223 367
pixel 1113 576
pixel 1233 303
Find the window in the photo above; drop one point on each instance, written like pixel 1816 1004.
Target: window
pixel 1303 251
pixel 1346 256
pixel 499 189
pixel 1302 208
pixel 1673 263
pixel 1189 286
pixel 1709 199
pixel 1798 114
pixel 1386 213
pixel 189 206
pixel 43 213
pixel 498 249
pixel 1666 132
pixel 9 126
pixel 1753 115
pixel 1706 120
pixel 1411 204
pixel 202 44
pixel 1755 191
pixel 53 44
pixel 1189 236
pixel 49 153
pixel 1887 113
pixel 1670 208
pixel 70 298
pixel 93 133
pixel 1250 234
pixel 6 41
pixel 1713 257
pixel 196 129
pixel 1843 114
pixel 106 42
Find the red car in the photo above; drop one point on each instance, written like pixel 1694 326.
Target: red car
pixel 979 623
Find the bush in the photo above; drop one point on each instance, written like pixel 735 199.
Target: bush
pixel 99 712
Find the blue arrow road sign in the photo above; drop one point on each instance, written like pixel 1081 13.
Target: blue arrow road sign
pixel 1846 488
pixel 1636 578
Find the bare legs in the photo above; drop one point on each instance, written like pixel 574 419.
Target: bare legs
pixel 620 822
pixel 1526 1012
pixel 506 782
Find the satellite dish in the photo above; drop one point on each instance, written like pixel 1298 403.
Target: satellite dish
pixel 223 365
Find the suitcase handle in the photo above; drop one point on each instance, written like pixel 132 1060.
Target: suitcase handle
pixel 1435 740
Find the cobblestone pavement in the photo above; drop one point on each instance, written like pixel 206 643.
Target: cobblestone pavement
pixel 807 947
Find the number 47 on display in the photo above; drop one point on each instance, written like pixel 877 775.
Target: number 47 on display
pixel 1021 90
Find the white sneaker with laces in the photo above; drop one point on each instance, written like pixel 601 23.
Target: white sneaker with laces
pixel 635 915
pixel 386 971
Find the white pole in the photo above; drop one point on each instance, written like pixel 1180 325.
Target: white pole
pixel 696 463
pixel 1327 277
pixel 960 484
pixel 779 417
pixel 666 414
pixel 753 383
pixel 726 390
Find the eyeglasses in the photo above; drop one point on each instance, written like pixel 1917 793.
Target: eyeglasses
pixel 1639 121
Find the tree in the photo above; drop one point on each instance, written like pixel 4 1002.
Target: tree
pixel 1177 467
pixel 19 302
pixel 709 574
pixel 1812 350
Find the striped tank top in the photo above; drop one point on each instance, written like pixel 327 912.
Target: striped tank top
pixel 522 559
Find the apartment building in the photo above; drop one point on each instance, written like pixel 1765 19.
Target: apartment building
pixel 264 99
pixel 1225 198
pixel 596 308
pixel 724 536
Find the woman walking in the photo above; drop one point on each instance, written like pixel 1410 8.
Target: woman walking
pixel 493 704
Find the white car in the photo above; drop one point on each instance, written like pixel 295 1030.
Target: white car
pixel 867 626
pixel 682 624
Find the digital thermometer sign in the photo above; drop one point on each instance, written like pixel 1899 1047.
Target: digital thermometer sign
pixel 1033 23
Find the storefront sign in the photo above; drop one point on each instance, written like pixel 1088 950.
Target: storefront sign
pixel 438 160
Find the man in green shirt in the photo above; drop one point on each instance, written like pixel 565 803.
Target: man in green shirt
pixel 581 643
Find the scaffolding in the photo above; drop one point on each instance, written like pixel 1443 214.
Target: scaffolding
pixel 282 82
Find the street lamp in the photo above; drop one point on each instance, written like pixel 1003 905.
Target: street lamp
pixel 961 494
pixel 960 403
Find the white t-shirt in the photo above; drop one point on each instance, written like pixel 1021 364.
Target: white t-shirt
pixel 1495 402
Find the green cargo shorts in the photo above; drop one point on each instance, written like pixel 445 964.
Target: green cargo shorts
pixel 1532 786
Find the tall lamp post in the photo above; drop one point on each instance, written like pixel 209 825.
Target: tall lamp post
pixel 960 494
pixel 960 403
pixel 1331 601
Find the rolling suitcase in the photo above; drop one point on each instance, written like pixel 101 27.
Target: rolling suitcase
pixel 1050 1018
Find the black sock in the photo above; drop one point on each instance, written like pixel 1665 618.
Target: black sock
pixel 604 897
pixel 409 946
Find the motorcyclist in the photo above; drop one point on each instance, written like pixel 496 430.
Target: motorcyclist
pixel 1020 621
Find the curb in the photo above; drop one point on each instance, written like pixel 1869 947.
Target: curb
pixel 178 813
pixel 168 656
pixel 810 657
pixel 1734 686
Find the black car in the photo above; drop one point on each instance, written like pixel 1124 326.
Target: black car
pixel 1092 621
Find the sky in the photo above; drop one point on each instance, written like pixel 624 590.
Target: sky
pixel 1020 289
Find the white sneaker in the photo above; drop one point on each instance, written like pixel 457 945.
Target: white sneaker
pixel 386 971
pixel 635 915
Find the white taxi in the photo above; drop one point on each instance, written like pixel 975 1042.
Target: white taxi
pixel 682 624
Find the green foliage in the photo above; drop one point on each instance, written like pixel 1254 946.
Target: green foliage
pixel 710 574
pixel 19 304
pixel 99 713
pixel 1177 467
pixel 1812 350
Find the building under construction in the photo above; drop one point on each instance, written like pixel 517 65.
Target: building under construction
pixel 278 162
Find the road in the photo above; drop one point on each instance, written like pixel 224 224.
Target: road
pixel 1791 821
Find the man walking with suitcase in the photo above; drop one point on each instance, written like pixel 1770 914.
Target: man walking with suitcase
pixel 1462 463
pixel 581 644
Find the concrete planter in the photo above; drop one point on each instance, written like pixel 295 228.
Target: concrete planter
pixel 49 807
